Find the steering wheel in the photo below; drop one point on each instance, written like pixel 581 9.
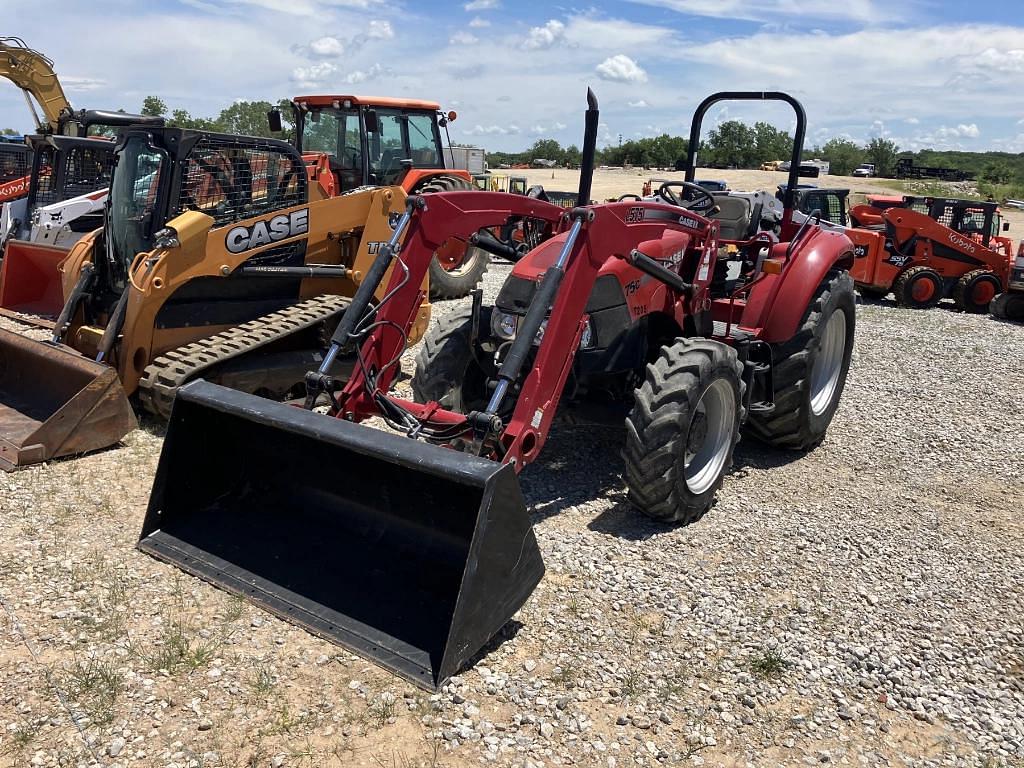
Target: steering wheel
pixel 703 203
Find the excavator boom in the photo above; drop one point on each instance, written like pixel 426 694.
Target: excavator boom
pixel 33 73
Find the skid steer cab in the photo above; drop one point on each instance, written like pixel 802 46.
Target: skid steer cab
pixel 414 547
pixel 211 262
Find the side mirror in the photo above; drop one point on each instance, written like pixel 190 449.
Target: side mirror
pixel 274 120
pixel 372 124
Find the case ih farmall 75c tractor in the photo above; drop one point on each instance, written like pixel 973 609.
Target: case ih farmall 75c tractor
pixel 414 548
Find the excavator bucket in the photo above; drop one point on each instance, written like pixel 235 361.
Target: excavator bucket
pixel 29 279
pixel 407 554
pixel 54 402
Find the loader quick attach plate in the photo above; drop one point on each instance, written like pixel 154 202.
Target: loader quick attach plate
pixel 408 554
pixel 54 402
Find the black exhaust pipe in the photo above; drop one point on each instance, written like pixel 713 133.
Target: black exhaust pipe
pixel 589 149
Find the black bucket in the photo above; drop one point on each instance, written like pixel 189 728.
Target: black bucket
pixel 408 554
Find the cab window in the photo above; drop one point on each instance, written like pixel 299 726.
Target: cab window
pixel 387 146
pixel 423 142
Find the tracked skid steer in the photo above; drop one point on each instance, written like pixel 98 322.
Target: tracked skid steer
pixel 212 262
pixel 412 545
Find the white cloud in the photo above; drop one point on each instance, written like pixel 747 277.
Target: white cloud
pixel 772 10
pixel 604 34
pixel 463 38
pixel 540 38
pixel 327 46
pixel 639 104
pixel 492 130
pixel 478 23
pixel 1002 61
pixel 361 76
pixel 912 121
pixel 82 84
pixel 314 74
pixel 959 132
pixel 380 30
pixel 620 68
pixel 482 5
pixel 539 129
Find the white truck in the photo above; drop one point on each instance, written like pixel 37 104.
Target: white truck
pixel 864 170
pixel 466 159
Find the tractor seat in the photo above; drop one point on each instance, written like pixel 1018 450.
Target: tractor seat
pixel 733 217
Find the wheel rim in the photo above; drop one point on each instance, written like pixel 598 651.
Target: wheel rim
pixel 984 291
pixel 922 289
pixel 710 436
pixel 828 364
pixel 457 262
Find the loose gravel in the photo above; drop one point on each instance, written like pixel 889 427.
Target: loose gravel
pixel 857 605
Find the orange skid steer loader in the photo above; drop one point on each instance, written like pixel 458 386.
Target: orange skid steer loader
pixel 413 546
pixel 211 262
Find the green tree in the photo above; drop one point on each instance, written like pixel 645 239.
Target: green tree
pixel 771 143
pixel 732 144
pixel 573 156
pixel 843 156
pixel 997 173
pixel 882 152
pixel 546 149
pixel 154 106
pixel 9 132
pixel 249 118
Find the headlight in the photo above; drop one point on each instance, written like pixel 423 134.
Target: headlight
pixel 505 325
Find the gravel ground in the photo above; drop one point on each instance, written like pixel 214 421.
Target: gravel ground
pixel 858 605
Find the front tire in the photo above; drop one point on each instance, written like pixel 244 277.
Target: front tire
pixel 447 371
pixel 682 430
pixel 462 272
pixel 918 288
pixel 810 369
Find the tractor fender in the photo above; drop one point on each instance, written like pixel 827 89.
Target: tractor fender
pixel 777 304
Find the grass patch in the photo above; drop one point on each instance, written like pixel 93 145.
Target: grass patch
pixel 263 679
pixel 768 665
pixel 382 709
pixel 94 685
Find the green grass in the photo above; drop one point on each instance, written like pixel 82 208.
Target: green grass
pixel 94 684
pixel 768 665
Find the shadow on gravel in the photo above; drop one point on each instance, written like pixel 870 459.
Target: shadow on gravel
pixel 751 454
pixel 507 632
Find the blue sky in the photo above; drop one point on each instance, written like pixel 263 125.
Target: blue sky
pixel 921 72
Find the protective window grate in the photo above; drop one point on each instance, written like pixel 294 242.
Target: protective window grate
pixel 83 170
pixel 232 178
pixel 15 163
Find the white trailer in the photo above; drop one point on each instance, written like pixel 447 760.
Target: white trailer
pixel 465 159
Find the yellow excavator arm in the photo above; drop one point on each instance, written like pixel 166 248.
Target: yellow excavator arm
pixel 33 73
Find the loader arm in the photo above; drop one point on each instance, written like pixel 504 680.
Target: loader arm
pixel 33 73
pixel 611 231
pixel 926 237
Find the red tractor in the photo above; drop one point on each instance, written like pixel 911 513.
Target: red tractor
pixel 415 548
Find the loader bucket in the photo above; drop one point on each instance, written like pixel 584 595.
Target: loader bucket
pixel 54 402
pixel 29 279
pixel 410 555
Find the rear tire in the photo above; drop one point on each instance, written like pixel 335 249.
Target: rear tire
pixel 976 290
pixel 810 370
pixel 918 288
pixel 682 430
pixel 1008 306
pixel 446 370
pixel 458 280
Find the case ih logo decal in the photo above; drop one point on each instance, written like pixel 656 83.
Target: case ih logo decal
pixel 634 215
pixel 686 221
pixel 272 230
pixel 962 242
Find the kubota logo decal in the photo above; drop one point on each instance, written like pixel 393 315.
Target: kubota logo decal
pixel 860 251
pixel 272 230
pixel 962 242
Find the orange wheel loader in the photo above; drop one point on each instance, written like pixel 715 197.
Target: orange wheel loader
pixel 212 262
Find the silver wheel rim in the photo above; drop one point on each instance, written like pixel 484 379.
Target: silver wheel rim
pixel 828 364
pixel 710 436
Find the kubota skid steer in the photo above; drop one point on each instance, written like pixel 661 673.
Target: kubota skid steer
pixel 211 262
pixel 414 549
pixel 15 164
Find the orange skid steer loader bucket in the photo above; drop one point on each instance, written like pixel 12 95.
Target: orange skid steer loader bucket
pixel 408 554
pixel 30 281
pixel 54 402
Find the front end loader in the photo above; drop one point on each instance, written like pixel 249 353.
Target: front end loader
pixel 211 262
pixel 412 545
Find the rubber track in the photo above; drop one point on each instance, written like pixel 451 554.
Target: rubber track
pixel 162 377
